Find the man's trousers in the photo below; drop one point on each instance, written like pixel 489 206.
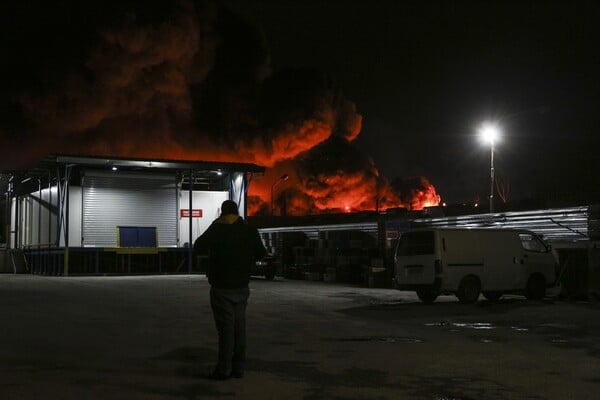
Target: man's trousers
pixel 229 311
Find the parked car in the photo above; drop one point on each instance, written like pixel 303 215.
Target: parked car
pixel 265 267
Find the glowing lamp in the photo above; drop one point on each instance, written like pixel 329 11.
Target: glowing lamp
pixel 489 133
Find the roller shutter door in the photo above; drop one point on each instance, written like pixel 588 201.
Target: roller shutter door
pixel 117 199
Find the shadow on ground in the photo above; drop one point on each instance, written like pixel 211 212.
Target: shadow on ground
pixel 444 310
pixel 326 384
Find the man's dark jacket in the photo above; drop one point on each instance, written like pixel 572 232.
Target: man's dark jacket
pixel 233 248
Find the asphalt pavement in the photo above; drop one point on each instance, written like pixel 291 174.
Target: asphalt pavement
pixel 153 337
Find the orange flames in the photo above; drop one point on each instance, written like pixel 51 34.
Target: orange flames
pixel 331 194
pixel 425 198
pixel 334 177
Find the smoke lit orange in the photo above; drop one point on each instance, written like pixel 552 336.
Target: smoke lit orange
pixel 164 89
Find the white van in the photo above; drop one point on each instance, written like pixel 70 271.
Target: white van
pixel 467 262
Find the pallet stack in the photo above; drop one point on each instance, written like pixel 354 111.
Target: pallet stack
pixel 348 256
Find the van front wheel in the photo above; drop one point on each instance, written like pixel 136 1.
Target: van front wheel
pixel 427 296
pixel 469 290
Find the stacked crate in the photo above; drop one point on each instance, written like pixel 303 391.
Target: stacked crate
pixel 339 256
pixel 351 259
pixel 377 276
pixel 303 259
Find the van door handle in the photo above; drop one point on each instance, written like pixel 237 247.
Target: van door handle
pixel 521 261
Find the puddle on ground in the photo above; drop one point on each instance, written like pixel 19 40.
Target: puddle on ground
pixel 344 294
pixel 519 329
pixel 450 398
pixel 558 326
pixel 447 398
pixel 380 339
pixel 473 325
pixel 470 325
pixel 383 304
pixel 443 323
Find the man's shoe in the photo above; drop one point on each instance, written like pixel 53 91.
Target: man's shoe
pixel 218 376
pixel 237 374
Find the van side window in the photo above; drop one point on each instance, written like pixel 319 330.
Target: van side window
pixel 416 244
pixel 532 243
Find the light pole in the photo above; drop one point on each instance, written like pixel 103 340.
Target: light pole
pixel 490 133
pixel 283 178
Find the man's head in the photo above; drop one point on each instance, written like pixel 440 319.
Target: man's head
pixel 229 207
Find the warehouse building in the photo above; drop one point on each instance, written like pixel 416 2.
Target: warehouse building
pixel 73 214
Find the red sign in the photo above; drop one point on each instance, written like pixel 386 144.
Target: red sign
pixel 185 213
pixel 391 234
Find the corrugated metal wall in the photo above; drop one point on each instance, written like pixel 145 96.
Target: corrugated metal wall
pixel 117 199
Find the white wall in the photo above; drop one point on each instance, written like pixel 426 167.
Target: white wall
pixel 36 213
pixel 32 213
pixel 75 202
pixel 208 202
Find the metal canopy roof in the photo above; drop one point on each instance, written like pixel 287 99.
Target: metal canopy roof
pixel 206 173
pixel 146 163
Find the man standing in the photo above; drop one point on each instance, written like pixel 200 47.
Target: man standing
pixel 233 248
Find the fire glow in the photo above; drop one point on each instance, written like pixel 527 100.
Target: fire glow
pixel 188 88
pixel 349 183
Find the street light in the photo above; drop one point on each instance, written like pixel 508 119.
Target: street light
pixel 490 133
pixel 283 178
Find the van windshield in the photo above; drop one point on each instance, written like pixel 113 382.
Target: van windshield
pixel 416 244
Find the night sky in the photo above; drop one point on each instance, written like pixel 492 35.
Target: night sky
pixel 423 76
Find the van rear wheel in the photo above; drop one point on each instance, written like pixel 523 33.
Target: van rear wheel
pixel 536 287
pixel 468 290
pixel 427 296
